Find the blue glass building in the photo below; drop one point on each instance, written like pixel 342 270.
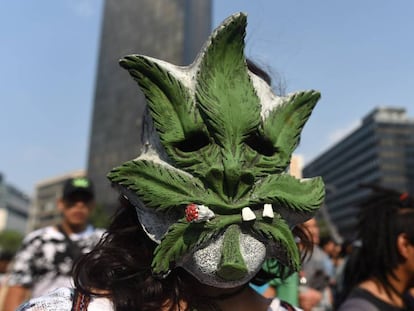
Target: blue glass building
pixel 380 151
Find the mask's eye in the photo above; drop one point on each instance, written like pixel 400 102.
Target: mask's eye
pixel 261 144
pixel 195 141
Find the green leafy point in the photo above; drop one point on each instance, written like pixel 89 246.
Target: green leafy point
pixel 286 191
pixel 171 248
pixel 181 238
pixel 225 94
pixel 279 232
pixel 158 186
pixel 285 122
pixel 170 102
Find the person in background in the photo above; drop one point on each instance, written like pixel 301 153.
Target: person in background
pixel 380 273
pixel 5 260
pixel 332 249
pixel 44 261
pixel 347 247
pixel 337 254
pixel 316 275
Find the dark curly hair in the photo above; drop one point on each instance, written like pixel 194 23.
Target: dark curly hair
pixel 384 215
pixel 119 267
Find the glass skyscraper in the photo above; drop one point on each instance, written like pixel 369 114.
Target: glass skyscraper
pixel 380 151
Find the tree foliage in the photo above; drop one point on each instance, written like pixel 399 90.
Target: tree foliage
pixel 10 241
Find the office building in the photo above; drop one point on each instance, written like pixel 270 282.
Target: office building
pixel 47 192
pixel 379 151
pixel 171 30
pixel 14 207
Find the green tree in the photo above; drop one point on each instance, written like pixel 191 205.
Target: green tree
pixel 10 241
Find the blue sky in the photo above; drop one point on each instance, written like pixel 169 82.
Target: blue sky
pixel 359 54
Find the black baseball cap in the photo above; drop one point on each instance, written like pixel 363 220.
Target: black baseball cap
pixel 78 186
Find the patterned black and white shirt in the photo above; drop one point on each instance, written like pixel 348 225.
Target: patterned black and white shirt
pixel 43 262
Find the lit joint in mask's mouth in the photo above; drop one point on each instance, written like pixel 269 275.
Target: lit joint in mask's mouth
pixel 200 213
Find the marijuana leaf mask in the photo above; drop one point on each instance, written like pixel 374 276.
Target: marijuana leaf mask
pixel 210 185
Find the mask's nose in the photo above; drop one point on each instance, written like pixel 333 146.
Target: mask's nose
pixel 232 266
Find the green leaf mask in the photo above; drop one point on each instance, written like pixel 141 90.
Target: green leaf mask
pixel 210 185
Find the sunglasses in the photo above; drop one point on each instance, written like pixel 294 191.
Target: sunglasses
pixel 74 198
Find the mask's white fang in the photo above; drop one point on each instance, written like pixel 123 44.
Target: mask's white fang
pixel 268 211
pixel 247 214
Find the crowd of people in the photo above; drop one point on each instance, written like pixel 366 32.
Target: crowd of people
pixel 333 276
pixel 319 284
pixel 208 218
pixel 373 272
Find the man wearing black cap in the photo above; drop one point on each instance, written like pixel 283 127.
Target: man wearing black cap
pixel 45 259
pixel 76 204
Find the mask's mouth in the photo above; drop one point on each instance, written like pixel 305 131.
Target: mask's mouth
pixel 232 266
pixel 231 259
pixel 228 260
